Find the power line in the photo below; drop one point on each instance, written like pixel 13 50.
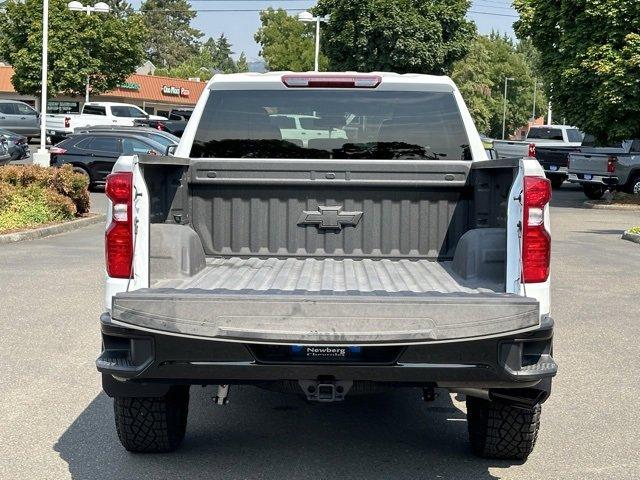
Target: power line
pixel 236 10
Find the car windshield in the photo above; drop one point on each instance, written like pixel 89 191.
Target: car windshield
pixel 335 124
pixel 127 111
pixel 545 133
pixel 161 139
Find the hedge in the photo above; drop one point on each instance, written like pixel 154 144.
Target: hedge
pixel 33 195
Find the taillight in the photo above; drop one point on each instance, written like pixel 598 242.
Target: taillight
pixel 331 81
pixel 67 122
pixel 160 126
pixel 57 151
pixel 119 235
pixel 532 150
pixel 611 164
pixel 536 241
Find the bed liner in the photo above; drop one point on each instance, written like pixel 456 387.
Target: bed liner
pixel 311 301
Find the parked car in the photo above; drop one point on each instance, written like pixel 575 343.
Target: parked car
pixel 17 144
pixel 400 257
pixel 20 118
pixel 5 157
pixel 94 153
pixel 600 169
pixel 554 159
pixel 303 128
pixel 539 136
pixel 59 126
pixel 160 136
pixel 181 113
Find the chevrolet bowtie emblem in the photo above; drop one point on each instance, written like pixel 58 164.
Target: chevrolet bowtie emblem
pixel 329 218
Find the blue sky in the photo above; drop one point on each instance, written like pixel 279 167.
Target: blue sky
pixel 239 26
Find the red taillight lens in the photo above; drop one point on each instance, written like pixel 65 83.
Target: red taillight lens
pixel 67 122
pixel 119 235
pixel 57 151
pixel 536 241
pixel 532 150
pixel 331 81
pixel 611 164
pixel 160 126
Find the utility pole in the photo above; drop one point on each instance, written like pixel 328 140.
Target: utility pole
pixel 504 110
pixel 41 157
pixel 535 90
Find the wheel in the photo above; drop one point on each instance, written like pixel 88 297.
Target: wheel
pixel 633 186
pixel 556 181
pixel 501 430
pixel 83 171
pixel 152 424
pixel 593 192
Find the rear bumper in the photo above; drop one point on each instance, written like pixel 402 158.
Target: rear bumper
pixel 554 169
pixel 592 179
pixel 139 363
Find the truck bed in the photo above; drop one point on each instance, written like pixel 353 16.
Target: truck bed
pixel 328 275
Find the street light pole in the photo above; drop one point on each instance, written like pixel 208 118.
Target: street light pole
pixel 317 55
pixel 535 91
pixel 504 110
pixel 41 157
pixel 306 17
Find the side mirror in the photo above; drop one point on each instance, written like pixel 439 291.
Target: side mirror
pixel 171 150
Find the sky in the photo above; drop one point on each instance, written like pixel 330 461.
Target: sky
pixel 240 26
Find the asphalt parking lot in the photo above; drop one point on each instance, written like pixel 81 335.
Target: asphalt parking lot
pixel 57 424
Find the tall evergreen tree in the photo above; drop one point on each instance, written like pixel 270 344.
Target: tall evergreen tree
pixel 170 37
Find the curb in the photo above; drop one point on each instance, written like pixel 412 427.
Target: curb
pixel 52 229
pixel 606 206
pixel 632 237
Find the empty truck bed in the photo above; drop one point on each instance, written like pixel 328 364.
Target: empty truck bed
pixel 328 275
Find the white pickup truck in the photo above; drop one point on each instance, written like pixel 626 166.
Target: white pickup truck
pixel 397 257
pixel 539 136
pixel 59 126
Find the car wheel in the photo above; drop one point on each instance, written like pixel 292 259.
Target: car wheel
pixel 502 430
pixel 633 186
pixel 593 192
pixel 83 171
pixel 152 424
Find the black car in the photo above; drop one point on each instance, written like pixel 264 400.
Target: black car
pixel 175 125
pixel 17 145
pixel 160 136
pixel 94 153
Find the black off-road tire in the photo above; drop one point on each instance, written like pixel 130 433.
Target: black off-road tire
pixel 593 192
pixel 633 187
pixel 152 424
pixel 501 430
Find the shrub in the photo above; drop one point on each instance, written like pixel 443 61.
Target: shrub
pixel 33 195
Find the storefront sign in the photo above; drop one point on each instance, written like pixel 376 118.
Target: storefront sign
pixel 175 91
pixel 129 86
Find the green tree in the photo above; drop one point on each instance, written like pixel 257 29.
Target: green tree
pixel 404 36
pixel 480 77
pixel 170 39
pixel 222 56
pixel 105 47
pixel 120 8
pixel 590 58
pixel 242 65
pixel 212 56
pixel 286 43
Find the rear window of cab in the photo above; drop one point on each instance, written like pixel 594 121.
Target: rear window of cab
pixel 334 124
